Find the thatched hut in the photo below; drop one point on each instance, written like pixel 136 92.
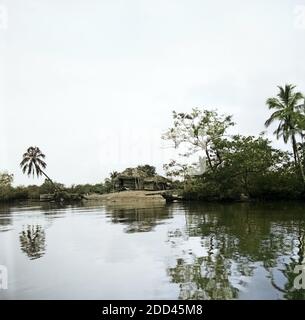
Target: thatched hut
pixel 156 183
pixel 134 179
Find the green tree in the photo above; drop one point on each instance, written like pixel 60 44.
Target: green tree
pixel 48 187
pixel 6 189
pixel 289 111
pixel 246 157
pixel 6 179
pixel 174 169
pixel 149 170
pixel 108 185
pixel 113 175
pixel 248 165
pixel 33 162
pixel 200 131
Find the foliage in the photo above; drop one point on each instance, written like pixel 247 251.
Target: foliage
pixel 141 170
pixel 48 187
pixel 33 162
pixel 245 158
pixel 147 169
pixel 290 112
pixel 239 167
pixel 200 131
pixel 174 169
pixel 6 179
pixel 233 167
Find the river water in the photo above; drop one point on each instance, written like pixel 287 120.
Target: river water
pixel 175 251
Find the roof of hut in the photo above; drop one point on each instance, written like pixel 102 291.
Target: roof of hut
pixel 133 172
pixel 156 178
pixel 136 173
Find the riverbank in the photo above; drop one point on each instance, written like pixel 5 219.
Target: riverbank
pixel 127 197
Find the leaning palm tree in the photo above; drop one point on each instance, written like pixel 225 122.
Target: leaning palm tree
pixel 289 111
pixel 33 162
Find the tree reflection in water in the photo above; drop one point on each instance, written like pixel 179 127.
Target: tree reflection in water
pixel 5 218
pixel 232 241
pixel 288 266
pixel 141 219
pixel 32 241
pixel 5 223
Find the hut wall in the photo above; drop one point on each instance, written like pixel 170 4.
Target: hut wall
pixel 150 186
pixel 129 183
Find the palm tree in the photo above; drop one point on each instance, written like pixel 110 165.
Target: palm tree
pixel 113 175
pixel 33 162
pixel 33 241
pixel 290 114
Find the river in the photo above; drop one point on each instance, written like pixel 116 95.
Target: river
pixel 174 251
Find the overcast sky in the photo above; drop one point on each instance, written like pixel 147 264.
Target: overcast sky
pixel 93 83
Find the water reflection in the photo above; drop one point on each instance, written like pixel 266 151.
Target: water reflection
pixel 288 266
pixel 185 251
pixel 233 241
pixel 5 219
pixel 5 222
pixel 32 241
pixel 203 278
pixel 141 219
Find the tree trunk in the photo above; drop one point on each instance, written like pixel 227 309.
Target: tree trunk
pixel 219 157
pixel 295 151
pixel 297 158
pixel 56 189
pixel 209 159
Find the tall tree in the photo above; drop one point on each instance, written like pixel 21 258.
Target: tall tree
pixel 113 175
pixel 147 169
pixel 6 179
pixel 289 111
pixel 33 163
pixel 200 131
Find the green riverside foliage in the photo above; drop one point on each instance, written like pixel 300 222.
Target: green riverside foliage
pixel 234 167
pixel 8 193
pixel 237 167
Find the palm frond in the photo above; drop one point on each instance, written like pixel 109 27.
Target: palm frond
pixel 32 162
pixel 274 103
pixel 275 116
pixel 290 113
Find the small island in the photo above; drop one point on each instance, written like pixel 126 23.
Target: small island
pixel 229 167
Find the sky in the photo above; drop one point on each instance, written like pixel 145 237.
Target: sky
pixel 93 83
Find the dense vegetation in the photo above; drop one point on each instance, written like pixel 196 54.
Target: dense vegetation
pixel 236 166
pixel 229 167
pixel 33 192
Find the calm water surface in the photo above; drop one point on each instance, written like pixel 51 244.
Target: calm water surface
pixel 177 251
